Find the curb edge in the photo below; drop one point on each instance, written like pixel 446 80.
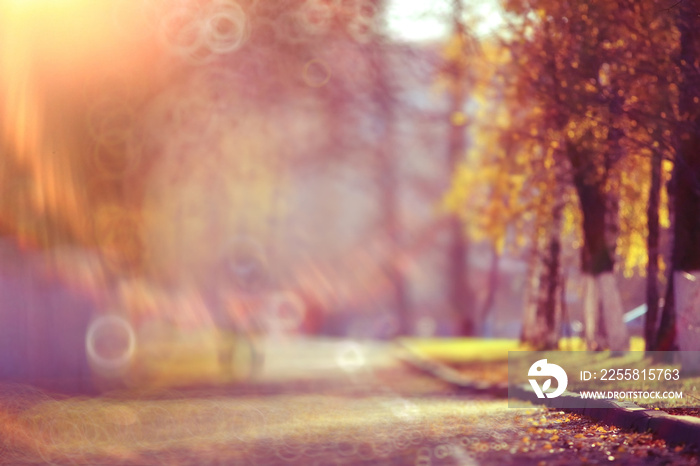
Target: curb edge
pixel 627 415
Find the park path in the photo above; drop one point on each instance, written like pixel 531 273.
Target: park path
pixel 318 402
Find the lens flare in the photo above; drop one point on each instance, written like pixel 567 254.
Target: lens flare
pixel 110 343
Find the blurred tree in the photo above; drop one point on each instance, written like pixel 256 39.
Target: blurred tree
pixel 505 188
pixel 388 183
pixel 459 53
pixel 365 72
pixel 585 81
pixel 677 320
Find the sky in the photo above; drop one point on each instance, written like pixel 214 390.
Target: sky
pixel 428 20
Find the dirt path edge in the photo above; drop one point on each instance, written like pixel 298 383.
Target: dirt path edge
pixel 674 429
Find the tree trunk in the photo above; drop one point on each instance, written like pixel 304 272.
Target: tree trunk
pixel 652 290
pixel 686 197
pixel 459 291
pixel 392 224
pixel 388 185
pixel 492 287
pixel 613 313
pixel 528 333
pixel 666 336
pixel 549 317
pixel 686 183
pixel 595 257
pixel 565 318
pixel 591 304
pixel 602 297
pixel 542 317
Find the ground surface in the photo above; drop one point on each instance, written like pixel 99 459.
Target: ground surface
pixel 316 403
pixel 480 360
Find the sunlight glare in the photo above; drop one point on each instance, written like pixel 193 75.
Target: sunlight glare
pixel 421 21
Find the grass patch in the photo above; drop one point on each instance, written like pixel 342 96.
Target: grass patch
pixel 456 351
pixel 487 360
pixel 463 350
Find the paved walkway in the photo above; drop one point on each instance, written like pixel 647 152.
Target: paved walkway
pixel 316 403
